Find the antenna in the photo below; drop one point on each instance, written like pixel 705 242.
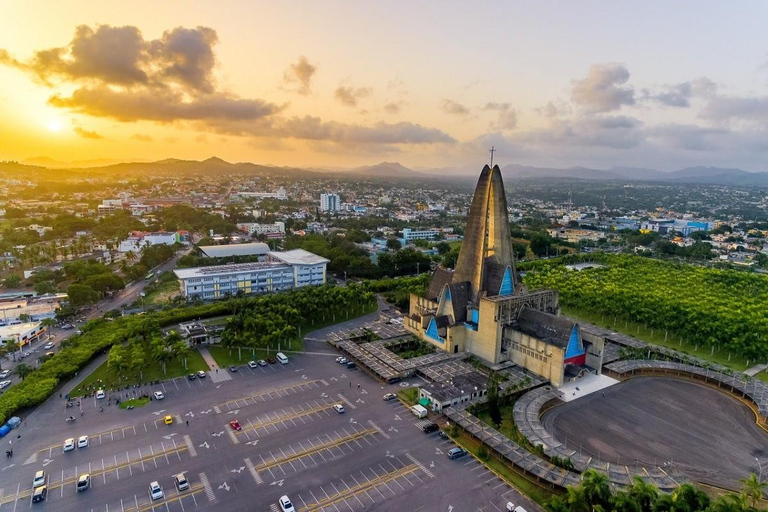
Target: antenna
pixel 492 151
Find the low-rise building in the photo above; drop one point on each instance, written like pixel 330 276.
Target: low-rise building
pixel 280 271
pixel 23 334
pixel 139 239
pixel 254 228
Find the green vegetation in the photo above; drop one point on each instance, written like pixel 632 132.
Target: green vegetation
pixel 104 377
pixel 409 395
pixel 413 348
pixel 135 402
pixel 397 291
pixel 162 290
pixel 723 310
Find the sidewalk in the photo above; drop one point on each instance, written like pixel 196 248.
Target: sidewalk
pixel 209 360
pixel 756 369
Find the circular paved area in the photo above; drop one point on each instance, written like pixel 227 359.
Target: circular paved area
pixel 706 434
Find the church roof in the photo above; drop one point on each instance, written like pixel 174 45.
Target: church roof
pixel 441 277
pixel 460 298
pixel 555 330
pixel 494 275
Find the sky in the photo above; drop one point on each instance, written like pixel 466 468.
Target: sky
pixel 663 85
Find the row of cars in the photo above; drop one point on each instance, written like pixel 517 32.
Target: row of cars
pixel 40 487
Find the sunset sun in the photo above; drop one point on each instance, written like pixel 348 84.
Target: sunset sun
pixel 54 125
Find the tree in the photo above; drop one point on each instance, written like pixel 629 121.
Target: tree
pixel 393 244
pixel 12 346
pixel 493 399
pixel 117 360
pixel 22 370
pixel 753 488
pixel 81 295
pixel 443 248
pixel 12 281
pixel 541 245
pixel 644 493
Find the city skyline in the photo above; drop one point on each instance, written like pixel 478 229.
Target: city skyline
pixel 340 86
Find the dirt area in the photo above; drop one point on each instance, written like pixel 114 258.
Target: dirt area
pixel 707 435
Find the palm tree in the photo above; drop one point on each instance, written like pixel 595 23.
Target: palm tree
pixel 12 346
pixel 624 502
pixel 22 370
pixel 753 488
pixel 596 488
pixel 576 499
pixel 644 493
pixel 130 256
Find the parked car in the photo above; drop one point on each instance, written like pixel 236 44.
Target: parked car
pixel 4 373
pixel 158 395
pixel 262 362
pixel 512 508
pixel 182 484
pixel 82 442
pixel 69 444
pixel 342 360
pixel 351 364
pixel 40 494
pixel 429 428
pixel 168 420
pixel 84 482
pixel 338 408
pixel 100 394
pixel 233 368
pixel 5 384
pixel 48 346
pixel 235 425
pixel 201 374
pixel 191 376
pixel 443 435
pixel 253 364
pixel 286 505
pixel 455 453
pixel 155 491
pixel 389 396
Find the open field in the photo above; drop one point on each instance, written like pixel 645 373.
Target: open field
pixel 703 433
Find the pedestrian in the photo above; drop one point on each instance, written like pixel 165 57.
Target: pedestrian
pixel 603 394
pixel 358 385
pixel 11 453
pixel 187 422
pixel 350 383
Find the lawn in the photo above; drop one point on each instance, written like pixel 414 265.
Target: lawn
pixel 762 376
pixel 656 337
pixel 135 402
pixel 410 395
pixel 103 377
pixel 163 290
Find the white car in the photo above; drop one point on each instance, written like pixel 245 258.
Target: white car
pixel 342 360
pixel 100 394
pixel 48 346
pixel 5 384
pixel 155 491
pixel 338 408
pixel 286 505
pixel 389 396
pixel 82 442
pixel 69 444
pixel 201 374
pixel 39 479
pixel 253 364
pixel 158 395
pixel 4 373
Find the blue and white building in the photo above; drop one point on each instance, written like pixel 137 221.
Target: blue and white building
pixel 279 271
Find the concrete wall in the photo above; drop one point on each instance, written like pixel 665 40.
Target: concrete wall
pixel 535 355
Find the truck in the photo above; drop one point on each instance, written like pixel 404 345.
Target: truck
pixel 419 411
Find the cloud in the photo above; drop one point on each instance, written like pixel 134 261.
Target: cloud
pixel 679 95
pixel 300 75
pixel 141 137
pixel 161 105
pixel 118 74
pixel 86 134
pixel 686 136
pixel 737 108
pixel 507 117
pixel 392 108
pixel 600 91
pixel 451 107
pixel 348 96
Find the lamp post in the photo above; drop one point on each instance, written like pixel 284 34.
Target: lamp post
pixel 760 469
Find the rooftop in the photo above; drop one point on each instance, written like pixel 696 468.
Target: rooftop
pixel 186 273
pixel 11 330
pixel 299 257
pixel 225 251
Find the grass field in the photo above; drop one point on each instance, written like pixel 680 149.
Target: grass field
pixel 410 395
pixel 135 402
pixel 762 376
pixel 656 337
pixel 163 290
pixel 103 377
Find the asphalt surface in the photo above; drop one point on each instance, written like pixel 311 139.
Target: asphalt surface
pixel 373 456
pixel 701 432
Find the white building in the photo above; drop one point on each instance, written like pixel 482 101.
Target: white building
pixel 254 228
pixel 281 271
pixel 412 234
pixel 330 203
pixel 280 194
pixel 22 334
pixel 138 240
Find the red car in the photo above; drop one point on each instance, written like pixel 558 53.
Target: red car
pixel 235 425
pixel 271 360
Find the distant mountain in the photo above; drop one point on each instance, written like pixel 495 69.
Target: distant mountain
pixel 513 171
pixel 387 170
pixel 44 161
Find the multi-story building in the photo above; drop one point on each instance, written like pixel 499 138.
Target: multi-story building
pixel 280 194
pixel 22 334
pixel 415 234
pixel 254 228
pixel 139 239
pixel 279 271
pixel 330 203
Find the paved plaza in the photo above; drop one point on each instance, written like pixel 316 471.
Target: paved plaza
pixel 373 456
pixel 652 421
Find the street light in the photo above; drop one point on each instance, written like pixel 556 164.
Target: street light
pixel 760 469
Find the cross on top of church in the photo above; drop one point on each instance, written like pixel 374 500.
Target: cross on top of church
pixel 492 151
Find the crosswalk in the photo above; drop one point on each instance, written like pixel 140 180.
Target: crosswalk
pixel 207 486
pixel 421 424
pixel 221 376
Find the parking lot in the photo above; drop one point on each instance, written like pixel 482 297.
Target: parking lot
pixel 290 441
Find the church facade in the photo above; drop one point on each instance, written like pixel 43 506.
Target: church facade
pixel 483 308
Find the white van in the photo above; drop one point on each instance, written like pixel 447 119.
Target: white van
pixel 512 508
pixel 281 357
pixel 419 411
